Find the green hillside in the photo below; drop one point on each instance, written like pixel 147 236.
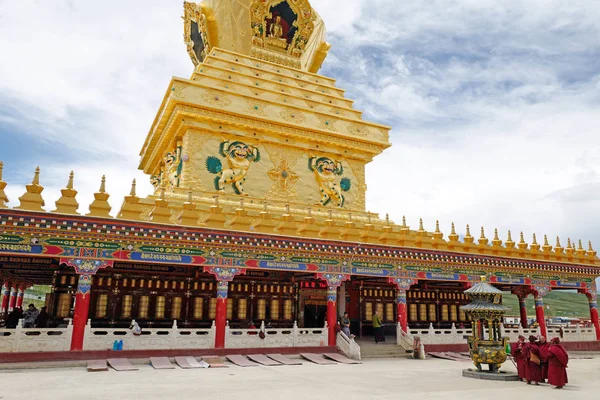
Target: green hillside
pixel 562 304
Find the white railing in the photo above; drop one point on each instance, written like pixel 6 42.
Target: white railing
pixel 348 346
pixel 286 337
pixel 456 336
pixel 150 338
pixel 29 340
pixel 576 334
pixel 404 339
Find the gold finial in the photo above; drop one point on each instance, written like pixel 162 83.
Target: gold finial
pixel 133 189
pixel 510 244
pixel 189 198
pixel 330 213
pixel 534 245
pixel 242 203
pixel 216 203
pixel 387 219
pixel 100 206
pixel 103 184
pixel 580 249
pixel 558 249
pixel 421 229
pixel 189 215
pixel 369 217
pixel 161 212
pixel 162 192
pixel 468 238
pixel 309 212
pixel 36 176
pixel 71 178
pixel 3 197
pixel 591 252
pixel 569 250
pixel 404 221
pixel 437 234
pixel 350 217
pixel 287 209
pixel 67 204
pixel 32 199
pixel 496 241
pixel 522 244
pixel 483 240
pixel 546 247
pixel 453 237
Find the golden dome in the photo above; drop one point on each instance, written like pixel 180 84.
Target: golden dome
pixel 286 32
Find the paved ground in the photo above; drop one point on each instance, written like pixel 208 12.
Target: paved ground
pixel 374 380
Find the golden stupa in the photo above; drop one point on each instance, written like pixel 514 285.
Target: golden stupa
pixel 256 122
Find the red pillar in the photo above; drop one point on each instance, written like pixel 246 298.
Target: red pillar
pixel 402 315
pixel 594 313
pixel 523 309
pixel 20 296
pixel 221 314
pixel 80 314
pixel 539 313
pixel 13 299
pixel 332 314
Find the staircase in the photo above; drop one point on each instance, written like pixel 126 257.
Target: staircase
pixel 388 349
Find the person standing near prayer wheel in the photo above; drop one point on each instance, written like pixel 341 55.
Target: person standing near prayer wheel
pixel 557 364
pixel 517 353
pixel 533 370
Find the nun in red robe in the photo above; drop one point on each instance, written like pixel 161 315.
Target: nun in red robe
pixel 517 353
pixel 543 347
pixel 533 371
pixel 557 364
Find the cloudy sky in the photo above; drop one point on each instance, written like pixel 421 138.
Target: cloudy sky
pixel 495 104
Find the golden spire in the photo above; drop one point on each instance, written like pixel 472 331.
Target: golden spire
pixel 67 204
pixel 161 213
pixel 100 206
pixel 3 197
pixel 421 231
pixel 546 247
pixel 264 223
pixel 453 237
pixel 591 252
pixel 189 216
pixel 404 229
pixel 496 241
pixel 569 250
pixel 483 241
pixel 468 238
pixel 216 218
pixel 534 245
pixel 510 244
pixel 387 219
pixel 438 235
pixel 558 249
pixel 131 208
pixel 522 245
pixel 580 249
pixel 32 199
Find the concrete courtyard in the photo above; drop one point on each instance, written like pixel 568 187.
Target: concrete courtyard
pixel 375 379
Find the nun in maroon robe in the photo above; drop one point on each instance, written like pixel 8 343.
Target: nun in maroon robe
pixel 543 347
pixel 557 364
pixel 517 353
pixel 533 371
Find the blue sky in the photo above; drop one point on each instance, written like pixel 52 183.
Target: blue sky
pixel 495 104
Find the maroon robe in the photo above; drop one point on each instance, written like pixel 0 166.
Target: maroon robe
pixel 533 372
pixel 557 365
pixel 543 348
pixel 517 353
